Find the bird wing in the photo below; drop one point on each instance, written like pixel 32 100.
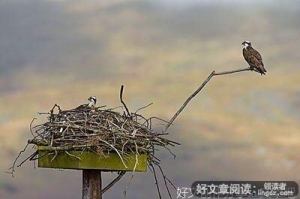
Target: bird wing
pixel 249 58
pixel 253 61
pixel 255 53
pixel 252 56
pixel 81 107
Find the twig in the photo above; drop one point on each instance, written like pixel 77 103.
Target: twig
pixel 200 88
pixel 71 155
pixel 12 168
pixel 156 181
pixel 165 180
pixel 30 126
pixel 232 71
pixel 157 118
pixel 31 157
pixel 174 155
pixel 116 150
pixel 134 168
pixel 112 183
pixel 143 107
pixel 121 98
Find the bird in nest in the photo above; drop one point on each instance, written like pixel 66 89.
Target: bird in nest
pixel 90 105
pixel 253 58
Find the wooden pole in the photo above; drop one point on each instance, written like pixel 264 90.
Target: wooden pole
pixel 91 184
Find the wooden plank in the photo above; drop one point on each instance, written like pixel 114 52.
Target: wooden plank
pixel 90 160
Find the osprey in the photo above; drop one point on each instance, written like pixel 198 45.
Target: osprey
pixel 91 104
pixel 253 58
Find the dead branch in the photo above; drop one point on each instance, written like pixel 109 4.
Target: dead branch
pixel 200 88
pixel 143 107
pixel 112 183
pixel 165 180
pixel 156 181
pixel 31 157
pixel 30 126
pixel 12 168
pixel 121 99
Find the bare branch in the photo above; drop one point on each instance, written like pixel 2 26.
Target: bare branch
pixel 165 180
pixel 156 181
pixel 30 126
pixel 12 168
pixel 31 157
pixel 200 88
pixel 143 107
pixel 121 98
pixel 112 183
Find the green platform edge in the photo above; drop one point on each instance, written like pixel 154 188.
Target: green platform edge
pixel 90 160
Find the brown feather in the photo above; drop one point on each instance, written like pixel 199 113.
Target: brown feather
pixel 254 59
pixel 255 53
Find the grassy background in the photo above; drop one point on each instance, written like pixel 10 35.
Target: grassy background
pixel 240 127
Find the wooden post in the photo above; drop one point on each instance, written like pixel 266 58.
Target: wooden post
pixel 91 184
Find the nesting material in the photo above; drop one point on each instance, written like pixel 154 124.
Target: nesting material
pixel 100 131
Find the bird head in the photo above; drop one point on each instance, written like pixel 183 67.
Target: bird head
pixel 246 44
pixel 92 100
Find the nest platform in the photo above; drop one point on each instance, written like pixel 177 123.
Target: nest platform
pixel 97 138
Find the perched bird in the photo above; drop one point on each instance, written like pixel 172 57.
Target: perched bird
pixel 253 58
pixel 92 101
pixel 91 104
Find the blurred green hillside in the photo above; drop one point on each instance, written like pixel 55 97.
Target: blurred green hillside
pixel 239 127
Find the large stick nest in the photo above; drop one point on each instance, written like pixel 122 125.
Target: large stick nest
pixel 99 130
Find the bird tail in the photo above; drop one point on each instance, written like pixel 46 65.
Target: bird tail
pixel 262 70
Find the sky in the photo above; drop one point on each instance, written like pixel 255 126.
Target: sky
pixel 243 126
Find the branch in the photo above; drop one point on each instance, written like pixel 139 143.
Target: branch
pixel 200 88
pixel 121 99
pixel 156 181
pixel 12 168
pixel 121 174
pixel 165 180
